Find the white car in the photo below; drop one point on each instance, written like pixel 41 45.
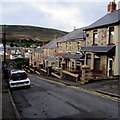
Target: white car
pixel 18 78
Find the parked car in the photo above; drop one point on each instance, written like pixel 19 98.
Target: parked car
pixel 18 78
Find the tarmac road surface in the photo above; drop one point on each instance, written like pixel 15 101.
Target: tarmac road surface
pixel 50 100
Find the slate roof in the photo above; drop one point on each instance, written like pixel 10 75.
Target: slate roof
pixel 108 19
pixel 97 49
pixel 39 50
pixel 36 60
pixel 72 56
pixel 59 54
pixel 51 59
pixel 76 34
pixel 52 44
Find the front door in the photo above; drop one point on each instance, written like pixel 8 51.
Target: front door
pixel 110 64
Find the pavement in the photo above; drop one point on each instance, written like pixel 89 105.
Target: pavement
pixel 108 87
pixel 8 107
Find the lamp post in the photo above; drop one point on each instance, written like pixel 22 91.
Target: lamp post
pixel 4 44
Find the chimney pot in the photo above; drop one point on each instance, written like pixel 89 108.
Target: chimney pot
pixel 111 6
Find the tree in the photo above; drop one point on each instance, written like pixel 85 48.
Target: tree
pixel 21 62
pixel 11 45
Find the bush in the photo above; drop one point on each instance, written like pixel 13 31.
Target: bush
pixel 21 62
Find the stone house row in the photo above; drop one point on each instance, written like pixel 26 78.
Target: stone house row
pixel 86 53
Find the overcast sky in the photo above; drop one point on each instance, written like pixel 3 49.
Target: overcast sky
pixel 58 14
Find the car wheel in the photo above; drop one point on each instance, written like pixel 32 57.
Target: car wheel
pixel 29 86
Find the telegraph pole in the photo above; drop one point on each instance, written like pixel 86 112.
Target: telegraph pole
pixel 4 44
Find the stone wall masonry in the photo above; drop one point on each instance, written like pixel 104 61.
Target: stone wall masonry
pixel 103 64
pixel 103 36
pixel 51 51
pixel 73 43
pixel 89 38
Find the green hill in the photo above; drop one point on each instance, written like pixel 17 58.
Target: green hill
pixel 25 34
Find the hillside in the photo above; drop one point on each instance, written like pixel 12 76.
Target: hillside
pixel 22 33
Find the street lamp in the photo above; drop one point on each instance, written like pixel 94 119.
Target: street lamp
pixel 4 44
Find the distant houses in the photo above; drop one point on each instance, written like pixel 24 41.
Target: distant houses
pixel 14 52
pixel 2 53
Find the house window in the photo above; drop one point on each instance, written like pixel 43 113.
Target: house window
pixel 87 35
pixel 88 60
pixel 34 63
pixel 60 60
pixel 70 47
pixel 72 65
pixel 31 57
pixel 43 64
pixel 57 45
pixel 56 63
pixel 78 64
pixel 61 46
pixel 95 37
pixel 111 35
pixel 66 46
pixel 96 62
pixel 78 46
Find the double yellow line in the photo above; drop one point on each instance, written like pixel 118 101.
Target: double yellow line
pixel 83 90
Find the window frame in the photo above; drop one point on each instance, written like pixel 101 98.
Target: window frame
pixel 78 46
pixel 96 62
pixel 88 57
pixel 111 29
pixel 95 39
pixel 70 44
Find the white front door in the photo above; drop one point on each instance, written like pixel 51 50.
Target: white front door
pixel 110 64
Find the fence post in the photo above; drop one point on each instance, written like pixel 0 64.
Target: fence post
pixel 84 77
pixel 63 65
pixel 49 70
pixel 62 68
pixel 40 67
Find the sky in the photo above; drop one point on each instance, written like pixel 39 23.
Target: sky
pixel 63 15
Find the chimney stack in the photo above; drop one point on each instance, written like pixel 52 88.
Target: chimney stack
pixel 111 6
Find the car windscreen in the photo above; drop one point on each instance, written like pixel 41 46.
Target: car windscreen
pixel 19 76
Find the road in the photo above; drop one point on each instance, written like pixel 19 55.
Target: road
pixel 47 99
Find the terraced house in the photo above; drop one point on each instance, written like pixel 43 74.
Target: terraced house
pixel 62 50
pixel 49 50
pixel 44 56
pixel 103 44
pixel 35 58
pixel 86 53
pixel 68 57
pixel 69 48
